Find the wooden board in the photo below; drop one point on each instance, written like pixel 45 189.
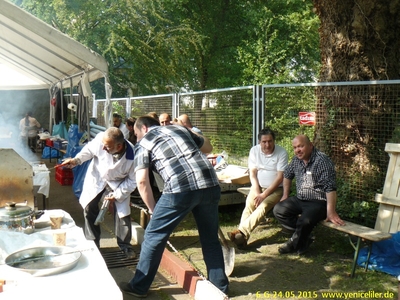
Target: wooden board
pixel 359 230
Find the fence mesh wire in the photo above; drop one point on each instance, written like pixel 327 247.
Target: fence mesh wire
pixel 353 124
pixel 226 117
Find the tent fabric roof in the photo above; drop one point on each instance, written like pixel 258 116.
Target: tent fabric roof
pixel 42 53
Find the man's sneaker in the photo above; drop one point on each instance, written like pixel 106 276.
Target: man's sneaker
pixel 129 253
pixel 305 248
pixel 126 288
pixel 286 247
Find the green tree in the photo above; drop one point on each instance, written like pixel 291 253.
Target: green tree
pixel 147 52
pixel 282 44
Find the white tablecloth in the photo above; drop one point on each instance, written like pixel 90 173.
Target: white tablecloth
pixel 90 279
pixel 41 178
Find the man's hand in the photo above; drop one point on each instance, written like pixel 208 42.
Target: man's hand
pixel 335 219
pixel 258 199
pixel 110 197
pixel 284 197
pixel 69 163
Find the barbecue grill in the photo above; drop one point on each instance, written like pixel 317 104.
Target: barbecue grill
pixel 16 179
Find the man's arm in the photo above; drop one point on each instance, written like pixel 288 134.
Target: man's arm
pixel 331 214
pixel 268 191
pixel 254 180
pixel 143 185
pixel 286 188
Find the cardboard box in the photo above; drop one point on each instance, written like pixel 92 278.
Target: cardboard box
pixel 245 179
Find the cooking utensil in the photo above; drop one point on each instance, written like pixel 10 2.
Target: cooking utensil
pixel 55 167
pixel 228 252
pixel 14 217
pixel 43 261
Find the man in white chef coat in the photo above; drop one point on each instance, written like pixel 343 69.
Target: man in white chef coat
pixel 110 171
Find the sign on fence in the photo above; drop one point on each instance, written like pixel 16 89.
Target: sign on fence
pixel 307 118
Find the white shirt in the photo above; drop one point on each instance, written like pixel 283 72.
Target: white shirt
pixel 103 170
pixel 124 130
pixel 267 165
pixel 29 130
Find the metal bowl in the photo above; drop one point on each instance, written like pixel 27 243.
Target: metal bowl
pixel 43 261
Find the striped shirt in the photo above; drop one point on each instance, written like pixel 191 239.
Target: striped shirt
pixel 173 152
pixel 315 179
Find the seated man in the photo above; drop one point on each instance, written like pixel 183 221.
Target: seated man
pixel 315 198
pixel 266 164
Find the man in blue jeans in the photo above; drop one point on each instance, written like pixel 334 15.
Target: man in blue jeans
pixel 190 185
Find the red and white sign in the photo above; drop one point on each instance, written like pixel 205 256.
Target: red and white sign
pixel 307 118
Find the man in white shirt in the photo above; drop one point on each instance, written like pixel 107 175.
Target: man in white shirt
pixel 266 162
pixel 117 122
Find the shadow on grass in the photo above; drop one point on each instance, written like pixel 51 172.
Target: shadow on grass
pixel 261 269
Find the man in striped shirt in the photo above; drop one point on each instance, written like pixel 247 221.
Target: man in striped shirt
pixel 190 185
pixel 315 198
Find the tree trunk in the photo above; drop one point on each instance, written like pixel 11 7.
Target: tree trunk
pixel 359 41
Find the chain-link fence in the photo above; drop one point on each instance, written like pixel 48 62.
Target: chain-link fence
pixel 353 122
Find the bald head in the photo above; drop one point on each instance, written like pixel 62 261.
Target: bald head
pixel 165 119
pixel 302 147
pixel 185 121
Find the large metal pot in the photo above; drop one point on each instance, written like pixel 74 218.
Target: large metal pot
pixel 14 217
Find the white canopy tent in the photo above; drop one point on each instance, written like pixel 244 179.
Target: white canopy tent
pixel 45 55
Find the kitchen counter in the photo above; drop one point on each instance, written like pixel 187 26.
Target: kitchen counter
pixel 89 279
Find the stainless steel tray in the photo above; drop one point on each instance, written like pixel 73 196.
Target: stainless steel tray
pixel 44 261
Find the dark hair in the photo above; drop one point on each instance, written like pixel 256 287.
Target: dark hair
pixel 115 115
pixel 266 131
pixel 146 121
pixel 28 114
pixel 130 121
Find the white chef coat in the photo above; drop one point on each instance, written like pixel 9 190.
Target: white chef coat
pixel 102 170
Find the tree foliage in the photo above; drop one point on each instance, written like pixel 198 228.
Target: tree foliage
pixel 282 45
pixel 156 46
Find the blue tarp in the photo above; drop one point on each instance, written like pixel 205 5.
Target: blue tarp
pixel 46 153
pixel 385 256
pixel 73 149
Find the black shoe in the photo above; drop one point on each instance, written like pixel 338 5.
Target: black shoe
pixel 286 247
pixel 305 248
pixel 126 288
pixel 130 253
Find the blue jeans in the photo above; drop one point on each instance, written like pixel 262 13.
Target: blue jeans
pixel 168 213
